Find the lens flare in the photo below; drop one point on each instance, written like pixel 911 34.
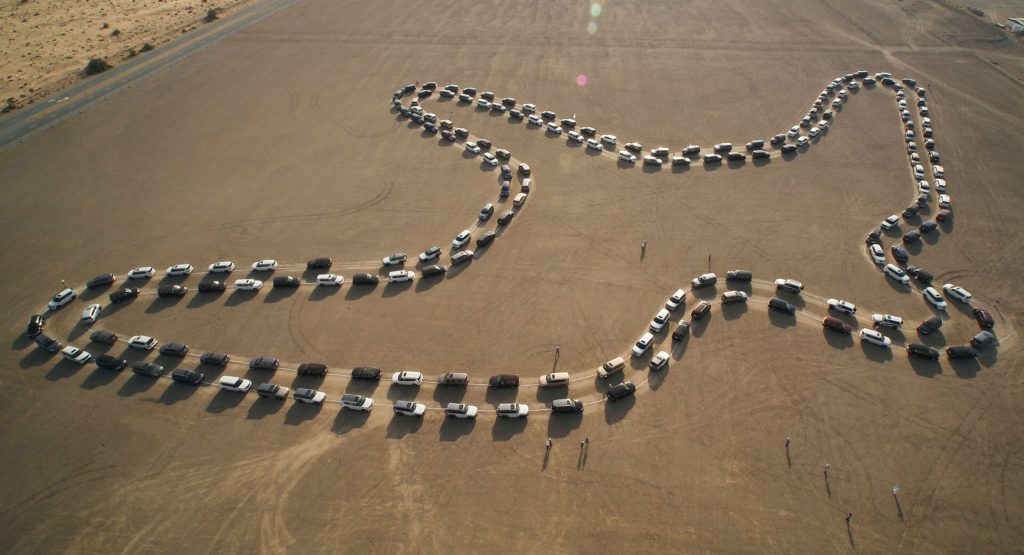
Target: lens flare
pixel 595 10
pixel 581 80
pixel 592 27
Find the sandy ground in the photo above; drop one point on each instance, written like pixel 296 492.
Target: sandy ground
pixel 47 43
pixel 307 161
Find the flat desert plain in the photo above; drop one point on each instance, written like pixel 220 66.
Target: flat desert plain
pixel 278 142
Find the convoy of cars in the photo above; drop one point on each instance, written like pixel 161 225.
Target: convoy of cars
pixel 661 320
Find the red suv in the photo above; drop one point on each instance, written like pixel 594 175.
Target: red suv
pixel 837 324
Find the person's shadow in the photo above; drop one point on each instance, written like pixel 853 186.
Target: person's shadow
pixel 584 451
pixel 547 457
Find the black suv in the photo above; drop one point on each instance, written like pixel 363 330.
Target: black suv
pixel 433 270
pixel 264 363
pixel 36 324
pixel 485 239
pixel 961 351
pixel 365 279
pixel 174 349
pixel 214 358
pixel 286 281
pixel 900 254
pixel 124 294
pixel 506 218
pixel 928 226
pixel 929 325
pixel 100 281
pixel 147 369
pixel 920 274
pixel 781 305
pixel 912 236
pixel 312 369
pixel 104 336
pixel 682 329
pixel 183 375
pixel 570 406
pixel 923 351
pixel 211 287
pixel 621 391
pixel 739 275
pixel 322 263
pixel 111 362
pixel 366 373
pixel 503 380
pixel 48 344
pixel 171 291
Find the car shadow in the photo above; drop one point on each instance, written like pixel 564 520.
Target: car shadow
pixel 262 407
pixel 397 392
pixel 646 168
pixel 547 394
pixel 836 339
pixel 506 428
pixel 36 357
pixel 393 289
pixel 238 297
pixel 202 299
pixel 561 425
pixel 160 304
pixel 924 368
pixel 781 319
pixel 614 412
pixel 452 429
pixel 680 168
pixel 279 293
pixel 875 353
pixel 177 392
pixel 301 412
pixel 401 426
pixel 761 162
pixel 733 311
pixel 657 377
pixel 348 420
pixel 428 283
pixel 449 394
pixel 622 165
pixel 356 292
pixel 136 384
pixel 224 400
pixel 322 292
pixel 965 368
pixel 706 293
pixel 697 327
pixel 95 292
pixel 98 378
pixel 988 357
pixel 63 369
pixel 362 387
pixel 497 395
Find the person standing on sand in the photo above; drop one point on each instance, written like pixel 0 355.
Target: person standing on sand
pixel 643 246
pixel 547 444
pixel 895 490
pixel 827 468
pixel 849 516
pixel 787 442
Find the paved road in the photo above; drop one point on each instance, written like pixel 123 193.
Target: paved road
pixel 46 113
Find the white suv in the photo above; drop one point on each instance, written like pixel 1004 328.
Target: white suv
pixel 143 342
pixel 222 267
pixel 461 239
pixel 234 383
pixel 74 354
pixel 643 344
pixel 62 298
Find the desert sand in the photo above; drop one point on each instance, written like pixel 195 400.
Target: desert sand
pixel 47 43
pixel 293 153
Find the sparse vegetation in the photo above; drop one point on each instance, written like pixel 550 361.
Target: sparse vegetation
pixel 96 66
pixel 146 48
pixel 212 14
